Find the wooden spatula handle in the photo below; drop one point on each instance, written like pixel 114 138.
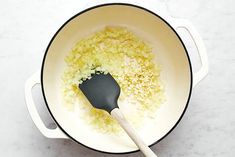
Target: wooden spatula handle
pixel 117 114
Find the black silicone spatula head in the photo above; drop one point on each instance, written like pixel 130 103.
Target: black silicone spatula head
pixel 102 91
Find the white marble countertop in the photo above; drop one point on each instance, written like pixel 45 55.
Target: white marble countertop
pixel 208 127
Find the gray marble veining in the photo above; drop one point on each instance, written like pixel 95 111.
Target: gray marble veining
pixel 208 127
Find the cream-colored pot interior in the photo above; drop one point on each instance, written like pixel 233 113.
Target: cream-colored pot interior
pixel 171 55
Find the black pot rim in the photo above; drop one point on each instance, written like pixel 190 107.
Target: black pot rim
pixel 94 7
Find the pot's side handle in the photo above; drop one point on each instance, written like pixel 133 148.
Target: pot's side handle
pixel 49 133
pixel 199 75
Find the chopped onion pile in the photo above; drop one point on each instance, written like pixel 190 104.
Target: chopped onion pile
pixel 130 61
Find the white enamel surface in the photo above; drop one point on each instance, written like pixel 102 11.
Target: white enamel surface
pixel 170 54
pixel 120 117
pixel 203 71
pixel 49 133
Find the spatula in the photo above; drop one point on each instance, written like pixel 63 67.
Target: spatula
pixel 103 91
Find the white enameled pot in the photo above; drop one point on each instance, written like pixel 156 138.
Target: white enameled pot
pixel 171 54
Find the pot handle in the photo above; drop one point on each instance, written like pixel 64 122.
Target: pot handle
pixel 199 75
pixel 49 133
